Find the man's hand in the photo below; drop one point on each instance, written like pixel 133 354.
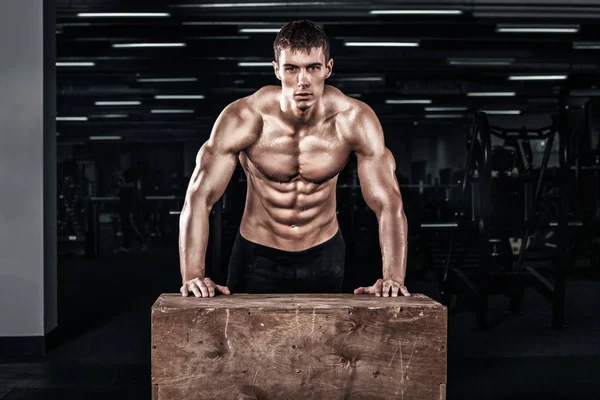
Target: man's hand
pixel 202 287
pixel 382 288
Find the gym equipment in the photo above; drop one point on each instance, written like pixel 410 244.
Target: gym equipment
pixel 298 346
pixel 494 225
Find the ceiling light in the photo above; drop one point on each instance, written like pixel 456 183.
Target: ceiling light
pixel 262 4
pixel 173 111
pixel 118 103
pixel 509 28
pixel 415 12
pixel 74 64
pixel 536 77
pixel 71 118
pixel 586 45
pixel 585 92
pixel 131 45
pixel 359 79
pixel 254 64
pixel 446 108
pixel 178 97
pixel 167 79
pixel 408 101
pixel 123 15
pixel 110 116
pixel 502 112
pixel 259 30
pixel 444 116
pixel 105 137
pixel 382 44
pixel 491 94
pixel 481 61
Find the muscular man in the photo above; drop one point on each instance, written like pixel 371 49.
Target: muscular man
pixel 292 142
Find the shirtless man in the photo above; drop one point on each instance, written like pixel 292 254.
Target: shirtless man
pixel 292 142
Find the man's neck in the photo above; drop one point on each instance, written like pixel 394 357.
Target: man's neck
pixel 301 117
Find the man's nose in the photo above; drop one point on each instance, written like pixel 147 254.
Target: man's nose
pixel 303 79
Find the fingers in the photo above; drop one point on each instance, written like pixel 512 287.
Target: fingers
pixel 382 288
pixel 404 291
pixel 376 288
pixel 210 286
pixel 223 289
pixel 202 287
pixel 387 284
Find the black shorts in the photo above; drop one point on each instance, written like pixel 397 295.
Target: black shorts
pixel 254 268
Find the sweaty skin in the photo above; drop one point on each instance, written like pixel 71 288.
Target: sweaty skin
pixel 292 142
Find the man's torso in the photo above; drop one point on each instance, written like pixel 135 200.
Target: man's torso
pixel 292 173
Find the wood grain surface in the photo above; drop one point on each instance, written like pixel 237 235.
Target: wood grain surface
pixel 298 347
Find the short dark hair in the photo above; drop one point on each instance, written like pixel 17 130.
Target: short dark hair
pixel 301 35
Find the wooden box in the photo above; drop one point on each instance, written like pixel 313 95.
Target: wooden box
pixel 330 346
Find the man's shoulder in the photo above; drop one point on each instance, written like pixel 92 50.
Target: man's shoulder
pixel 350 113
pixel 255 104
pixel 347 108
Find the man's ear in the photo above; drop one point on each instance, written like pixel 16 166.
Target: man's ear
pixel 329 67
pixel 276 69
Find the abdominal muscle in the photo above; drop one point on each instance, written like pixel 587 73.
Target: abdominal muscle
pixel 291 216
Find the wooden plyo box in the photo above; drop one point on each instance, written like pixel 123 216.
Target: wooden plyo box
pixel 301 346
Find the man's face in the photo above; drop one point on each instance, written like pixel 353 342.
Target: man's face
pixel 302 76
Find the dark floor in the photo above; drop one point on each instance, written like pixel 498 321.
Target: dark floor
pixel 104 319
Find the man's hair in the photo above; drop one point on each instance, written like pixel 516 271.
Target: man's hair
pixel 302 36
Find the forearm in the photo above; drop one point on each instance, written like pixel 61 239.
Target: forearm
pixel 193 239
pixel 393 235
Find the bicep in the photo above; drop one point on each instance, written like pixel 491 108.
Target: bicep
pixel 212 173
pixel 378 182
pixel 218 156
pixel 376 164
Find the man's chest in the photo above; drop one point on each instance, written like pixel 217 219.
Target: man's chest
pixel 314 154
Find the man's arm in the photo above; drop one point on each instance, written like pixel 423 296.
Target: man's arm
pixel 381 191
pixel 234 130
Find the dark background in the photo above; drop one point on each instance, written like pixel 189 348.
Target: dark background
pixel 518 330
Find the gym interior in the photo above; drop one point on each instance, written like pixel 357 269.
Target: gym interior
pixel 490 109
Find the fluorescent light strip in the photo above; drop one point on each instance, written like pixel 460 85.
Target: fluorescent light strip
pixel 585 92
pixel 444 116
pixel 381 44
pixel 112 116
pixel 502 112
pixel 178 97
pixel 118 103
pixel 71 118
pixel 265 4
pixel 255 64
pixel 172 111
pixel 359 79
pixel 167 79
pixel 408 101
pixel 74 64
pixel 259 30
pixel 480 61
pixel 536 77
pixel 446 108
pixel 508 28
pixel 586 45
pixel 132 45
pixel 415 12
pixel 491 94
pixel 105 137
pixel 122 15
